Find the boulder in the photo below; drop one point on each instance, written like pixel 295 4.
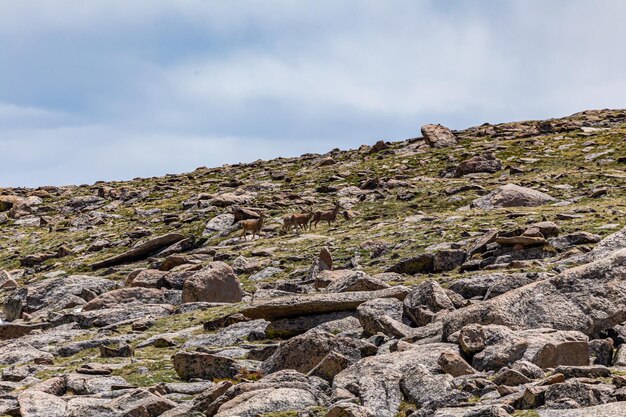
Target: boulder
pixel 454 364
pixel 214 283
pixel 357 281
pixel 292 326
pixel 575 394
pixel 438 136
pixel 329 366
pixel 348 410
pixel 55 294
pixel 422 387
pixel 511 195
pixel 382 315
pixel 219 224
pixel 497 346
pixel 38 404
pixel 141 251
pixel 605 410
pixel 448 260
pixel 119 297
pixel 299 305
pixel 375 380
pixel 203 365
pixel 280 392
pixel 420 264
pixel 493 284
pixel 480 163
pixel 589 298
pixel 607 246
pixel 425 301
pixel 305 352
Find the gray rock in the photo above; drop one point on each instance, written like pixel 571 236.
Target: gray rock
pixel 117 298
pixel 438 136
pixel 425 301
pixel 81 384
pixel 234 334
pixel 299 305
pixel 420 386
pixel 55 294
pixel 375 380
pixel 282 391
pixel 39 404
pixel 304 352
pixel 141 251
pixel 214 283
pixel 383 315
pixel 219 224
pixel 588 298
pixel 357 281
pixel 511 195
pixel 575 394
pixel 480 163
pixel 292 326
pixel 606 410
pixel 494 284
pixel 203 365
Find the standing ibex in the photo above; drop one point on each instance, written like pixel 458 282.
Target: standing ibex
pixel 300 220
pixel 329 216
pixel 252 225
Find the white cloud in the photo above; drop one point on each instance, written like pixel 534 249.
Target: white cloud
pixel 143 87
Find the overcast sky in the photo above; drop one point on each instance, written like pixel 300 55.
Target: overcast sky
pixel 116 89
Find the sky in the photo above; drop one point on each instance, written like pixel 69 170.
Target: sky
pixel 117 89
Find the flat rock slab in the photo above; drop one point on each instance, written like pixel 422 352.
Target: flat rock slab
pixel 606 410
pixel 140 252
pixel 300 305
pixel 15 330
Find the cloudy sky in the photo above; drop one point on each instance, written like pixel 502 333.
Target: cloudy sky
pixel 115 89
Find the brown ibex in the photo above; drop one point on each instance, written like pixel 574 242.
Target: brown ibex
pixel 252 225
pixel 329 216
pixel 301 220
pixel 288 222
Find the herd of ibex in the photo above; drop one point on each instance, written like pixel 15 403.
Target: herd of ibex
pixel 296 220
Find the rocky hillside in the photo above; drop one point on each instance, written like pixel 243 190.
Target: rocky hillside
pixel 469 273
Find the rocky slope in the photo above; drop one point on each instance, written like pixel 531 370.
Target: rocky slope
pixel 479 272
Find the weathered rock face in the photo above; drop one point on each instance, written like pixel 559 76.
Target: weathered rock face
pixel 280 392
pixel 481 163
pixel 425 301
pixel 141 251
pixel 318 303
pixel 437 136
pixel 382 315
pixel 493 284
pixel 375 380
pixel 38 404
pixel 607 246
pixel 55 294
pixel 358 281
pixel 588 298
pixel 293 326
pixel 305 352
pixel 203 365
pixel 494 347
pixel 512 195
pixel 215 283
pixel 605 410
pixel 119 297
pixel 219 224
